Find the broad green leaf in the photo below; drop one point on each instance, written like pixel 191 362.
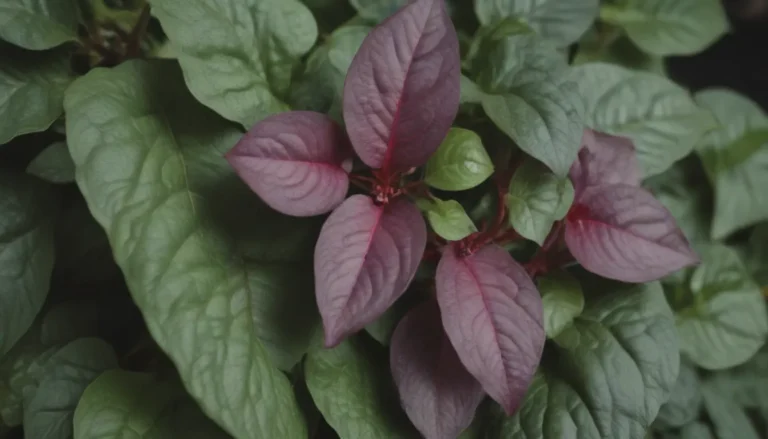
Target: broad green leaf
pixel 118 402
pixel 48 412
pixel 32 88
pixel 470 92
pixel 203 258
pixel 684 402
pixel 606 375
pixel 736 158
pixel 563 22
pixel 746 384
pixel 353 389
pixel 460 163
pixel 669 27
pixel 532 98
pixel 536 199
pixel 28 208
pixel 53 164
pixel 447 218
pixel 659 116
pixel 622 51
pixel 726 323
pixel 730 420
pixel 562 299
pixel 38 24
pixel 487 38
pixel 696 430
pixel 377 11
pixel 238 55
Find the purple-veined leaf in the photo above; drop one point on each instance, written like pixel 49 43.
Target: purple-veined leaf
pixel 297 162
pixel 366 255
pixel 493 316
pixel 622 232
pixel 436 391
pixel 604 160
pixel 401 93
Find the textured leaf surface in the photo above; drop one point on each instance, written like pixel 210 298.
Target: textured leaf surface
pixel 353 389
pixel 531 97
pixel 492 314
pixel 365 258
pixel 136 405
pixel 562 301
pixel 295 162
pixel 621 232
pixel 38 24
pixel 53 164
pixel 736 158
pixel 436 391
pixel 181 226
pixel 536 199
pixel 660 117
pixel 684 401
pixel 238 55
pixel 448 219
pixel 402 89
pixel 605 160
pixel 606 375
pixel 31 90
pixel 460 163
pixel 26 252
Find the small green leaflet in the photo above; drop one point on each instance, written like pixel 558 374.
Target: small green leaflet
pixel 563 22
pixel 26 252
pixel 352 387
pixel 447 218
pixel 659 116
pixel 562 299
pixel 607 374
pixel 669 27
pixel 38 24
pixel 151 166
pixel 470 92
pixel 730 420
pixel 32 88
pixel 119 401
pixel 238 55
pixel 536 199
pixel 727 322
pixel 531 97
pixel 460 163
pixel 53 164
pixel 684 402
pixel 736 158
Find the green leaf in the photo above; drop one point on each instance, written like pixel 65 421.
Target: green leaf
pixel 536 199
pixel 606 375
pixel 447 218
pixel 563 22
pixel 118 402
pixel 470 92
pixel 377 11
pixel 684 402
pixel 598 46
pixel 53 164
pixel 696 430
pixel 32 88
pixel 726 322
pixel 730 420
pixel 49 413
pixel 38 24
pixel 659 116
pixel 669 27
pixel 562 299
pixel 460 163
pixel 746 384
pixel 353 389
pixel 531 97
pixel 28 208
pixel 736 159
pixel 488 37
pixel 238 55
pixel 198 250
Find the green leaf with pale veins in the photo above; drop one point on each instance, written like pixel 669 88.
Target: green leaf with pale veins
pixel 460 163
pixel 53 164
pixel 198 250
pixel 238 55
pixel 28 208
pixel 536 199
pixel 447 218
pixel 659 116
pixel 118 402
pixel 38 24
pixel 562 299
pixel 32 86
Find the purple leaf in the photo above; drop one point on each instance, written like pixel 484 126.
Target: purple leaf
pixel 604 160
pixel 297 162
pixel 622 232
pixel 401 93
pixel 492 314
pixel 365 258
pixel 436 391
